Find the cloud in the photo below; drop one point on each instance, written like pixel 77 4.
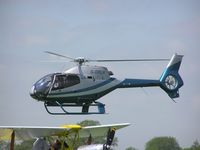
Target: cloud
pixel 34 40
pixel 189 27
pixel 3 67
pixel 100 6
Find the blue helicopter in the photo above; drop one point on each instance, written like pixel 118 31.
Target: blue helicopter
pixel 82 85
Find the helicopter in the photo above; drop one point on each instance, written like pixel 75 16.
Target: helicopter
pixel 82 85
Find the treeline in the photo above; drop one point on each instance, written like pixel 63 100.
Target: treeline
pixel 166 143
pixel 157 143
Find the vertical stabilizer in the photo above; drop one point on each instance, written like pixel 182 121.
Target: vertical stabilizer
pixel 171 80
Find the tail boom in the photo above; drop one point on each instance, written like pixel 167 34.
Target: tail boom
pixel 170 81
pixel 131 83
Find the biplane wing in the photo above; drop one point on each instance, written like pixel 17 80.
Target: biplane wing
pixel 69 131
pixel 34 132
pixel 100 130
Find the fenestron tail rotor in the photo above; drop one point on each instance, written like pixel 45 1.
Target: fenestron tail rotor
pixel 81 60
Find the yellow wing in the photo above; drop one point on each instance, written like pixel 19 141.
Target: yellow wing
pixel 33 132
pixel 5 134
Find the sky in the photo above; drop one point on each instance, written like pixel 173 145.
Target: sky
pixel 106 29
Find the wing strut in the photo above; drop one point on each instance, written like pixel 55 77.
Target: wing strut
pixel 12 142
pixel 110 137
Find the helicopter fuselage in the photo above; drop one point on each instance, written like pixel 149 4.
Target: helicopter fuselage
pixel 77 85
pixel 82 85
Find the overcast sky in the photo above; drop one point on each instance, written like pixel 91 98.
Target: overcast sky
pixel 103 29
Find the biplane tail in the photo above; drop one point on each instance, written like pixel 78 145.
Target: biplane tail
pixel 171 81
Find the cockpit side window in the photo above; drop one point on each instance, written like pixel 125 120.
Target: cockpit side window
pixel 73 79
pixel 64 81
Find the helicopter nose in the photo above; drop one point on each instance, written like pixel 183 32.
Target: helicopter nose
pixel 33 92
pixel 37 93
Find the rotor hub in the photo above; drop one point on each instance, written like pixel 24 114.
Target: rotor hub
pixel 80 60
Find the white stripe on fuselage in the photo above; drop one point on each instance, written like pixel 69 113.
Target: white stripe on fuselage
pixel 88 92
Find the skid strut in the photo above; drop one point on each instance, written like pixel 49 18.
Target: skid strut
pixel 85 108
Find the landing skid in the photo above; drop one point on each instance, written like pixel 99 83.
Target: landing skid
pixel 85 108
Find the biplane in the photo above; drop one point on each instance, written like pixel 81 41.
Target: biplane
pixel 66 137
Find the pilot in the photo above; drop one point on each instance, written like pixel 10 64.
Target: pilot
pixel 58 145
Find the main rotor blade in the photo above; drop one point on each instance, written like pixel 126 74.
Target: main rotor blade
pixel 52 53
pixel 118 60
pixel 82 60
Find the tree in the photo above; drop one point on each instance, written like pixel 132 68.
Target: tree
pixel 4 145
pixel 131 148
pixel 89 123
pixel 195 146
pixel 24 145
pixel 162 143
